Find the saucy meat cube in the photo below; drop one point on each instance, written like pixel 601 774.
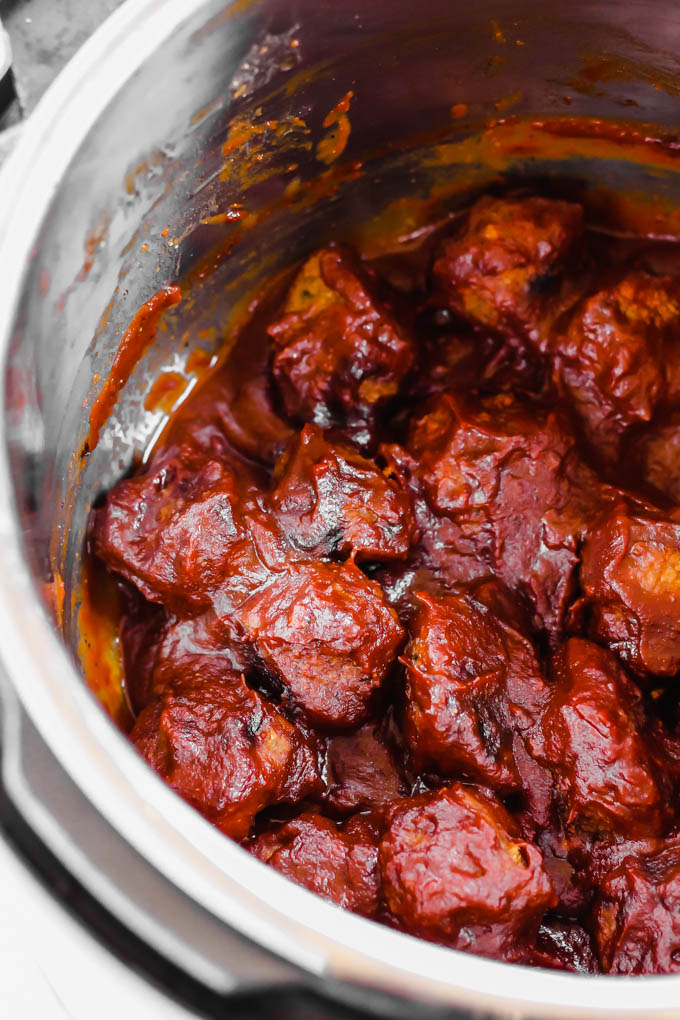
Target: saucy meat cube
pixel 331 500
pixel 501 271
pixel 656 455
pixel 362 772
pixel 184 527
pixel 637 915
pixel 592 738
pixel 473 688
pixel 340 352
pixel 610 359
pixel 509 473
pixel 338 862
pixel 225 749
pixel 631 583
pixel 328 634
pixel 453 868
pixel 209 640
pixel 444 551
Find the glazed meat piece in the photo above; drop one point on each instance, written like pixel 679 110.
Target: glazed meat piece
pixel 454 869
pixel 565 945
pixel 225 749
pixel 208 638
pixel 509 474
pixel 503 270
pixel 656 456
pixel 362 771
pixel 637 918
pixel 631 583
pixel 338 862
pixel 444 551
pixel 610 359
pixel 332 501
pixel 474 688
pixel 186 526
pixel 328 634
pixel 592 740
pixel 340 353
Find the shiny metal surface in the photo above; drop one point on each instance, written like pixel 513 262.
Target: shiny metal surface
pixel 5 52
pixel 128 142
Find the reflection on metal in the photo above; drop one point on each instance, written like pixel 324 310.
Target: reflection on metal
pixel 5 52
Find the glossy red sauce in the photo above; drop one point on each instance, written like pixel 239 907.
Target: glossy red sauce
pixel 139 334
pixel 398 592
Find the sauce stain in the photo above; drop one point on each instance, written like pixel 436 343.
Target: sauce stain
pixel 99 648
pixel 198 361
pixel 338 128
pixel 165 392
pixel 139 334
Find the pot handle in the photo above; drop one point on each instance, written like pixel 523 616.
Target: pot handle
pixel 58 815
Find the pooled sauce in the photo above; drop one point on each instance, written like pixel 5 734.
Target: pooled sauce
pixel 400 587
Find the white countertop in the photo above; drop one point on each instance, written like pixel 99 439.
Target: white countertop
pixel 51 969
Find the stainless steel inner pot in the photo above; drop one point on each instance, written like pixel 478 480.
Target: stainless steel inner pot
pixel 130 141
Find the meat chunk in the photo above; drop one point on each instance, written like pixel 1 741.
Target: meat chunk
pixel 610 358
pixel 565 945
pixel 637 915
pixel 186 526
pixel 225 749
pixel 327 632
pixel 208 639
pixel 593 742
pixel 362 771
pixel 338 862
pixel 453 869
pixel 631 583
pixel 444 551
pixel 509 474
pixel 656 456
pixel 331 500
pixel 504 268
pixel 339 351
pixel 473 688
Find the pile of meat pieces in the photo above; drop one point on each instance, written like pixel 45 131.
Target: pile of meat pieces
pixel 423 663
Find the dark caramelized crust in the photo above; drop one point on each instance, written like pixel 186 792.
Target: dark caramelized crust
pixel 503 269
pixel 509 472
pixel 225 749
pixel 473 688
pixel 328 634
pixel 185 526
pixel 340 353
pixel 332 501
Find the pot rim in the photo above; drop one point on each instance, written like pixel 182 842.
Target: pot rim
pixel 240 890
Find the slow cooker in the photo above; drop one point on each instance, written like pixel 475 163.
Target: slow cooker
pixel 174 114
